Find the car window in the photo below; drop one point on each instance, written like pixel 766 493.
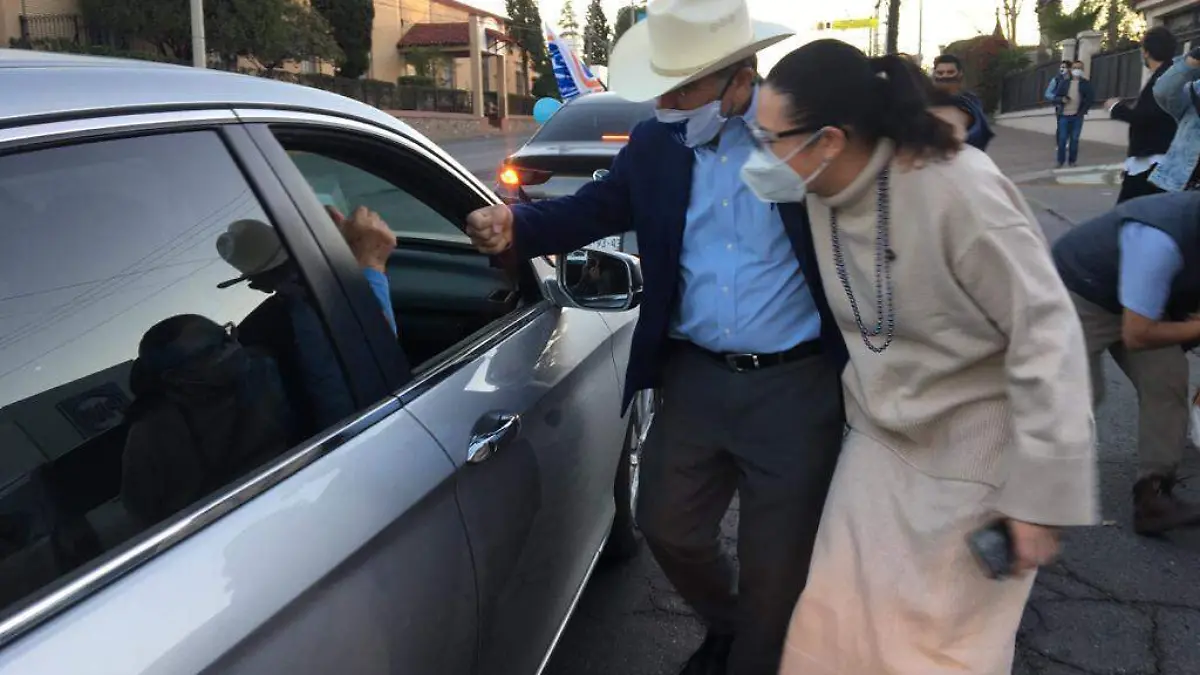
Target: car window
pixel 443 291
pixel 140 370
pixel 593 121
pixel 347 187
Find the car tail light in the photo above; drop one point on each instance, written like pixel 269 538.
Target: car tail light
pixel 512 176
pixel 615 138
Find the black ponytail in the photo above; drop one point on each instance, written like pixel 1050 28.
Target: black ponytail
pixel 831 83
pixel 905 95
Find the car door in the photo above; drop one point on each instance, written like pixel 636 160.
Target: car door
pixel 343 553
pixel 527 404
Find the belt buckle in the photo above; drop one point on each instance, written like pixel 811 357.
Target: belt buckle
pixel 732 360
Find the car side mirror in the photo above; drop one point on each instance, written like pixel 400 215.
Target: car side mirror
pixel 600 281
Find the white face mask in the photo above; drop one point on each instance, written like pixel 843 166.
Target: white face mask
pixel 702 124
pixel 1077 73
pixel 772 180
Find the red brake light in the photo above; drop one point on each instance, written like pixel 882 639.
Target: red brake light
pixel 617 138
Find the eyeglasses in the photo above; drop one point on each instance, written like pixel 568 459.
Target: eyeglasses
pixel 765 137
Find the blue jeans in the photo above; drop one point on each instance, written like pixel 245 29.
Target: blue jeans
pixel 1070 127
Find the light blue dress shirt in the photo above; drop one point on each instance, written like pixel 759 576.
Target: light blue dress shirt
pixel 1150 261
pixel 741 288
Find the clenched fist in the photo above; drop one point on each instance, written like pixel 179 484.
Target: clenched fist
pixel 491 229
pixel 369 238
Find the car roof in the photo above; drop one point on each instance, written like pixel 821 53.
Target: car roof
pixel 605 97
pixel 68 85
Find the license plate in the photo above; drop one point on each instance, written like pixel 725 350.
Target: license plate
pixel 607 244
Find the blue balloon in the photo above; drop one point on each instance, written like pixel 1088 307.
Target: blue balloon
pixel 545 108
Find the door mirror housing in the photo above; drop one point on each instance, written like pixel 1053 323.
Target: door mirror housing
pixel 599 281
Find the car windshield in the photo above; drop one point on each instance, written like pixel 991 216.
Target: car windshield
pixel 594 121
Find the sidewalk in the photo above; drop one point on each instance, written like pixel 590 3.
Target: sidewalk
pixel 1024 154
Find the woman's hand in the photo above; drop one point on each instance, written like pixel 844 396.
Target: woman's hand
pixel 1034 546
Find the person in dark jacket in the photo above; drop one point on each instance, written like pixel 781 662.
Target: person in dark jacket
pixel 1134 274
pixel 1073 96
pixel 734 328
pixel 1151 129
pixel 948 76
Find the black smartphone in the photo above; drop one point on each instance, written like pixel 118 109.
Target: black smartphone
pixel 993 548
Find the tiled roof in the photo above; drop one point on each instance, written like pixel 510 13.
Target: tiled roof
pixel 442 35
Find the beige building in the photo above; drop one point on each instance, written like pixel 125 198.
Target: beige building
pixel 444 27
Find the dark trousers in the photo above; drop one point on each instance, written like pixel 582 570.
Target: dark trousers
pixel 1070 128
pixel 772 437
pixel 1137 186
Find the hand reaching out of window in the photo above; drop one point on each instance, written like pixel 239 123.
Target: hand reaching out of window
pixel 369 238
pixel 372 242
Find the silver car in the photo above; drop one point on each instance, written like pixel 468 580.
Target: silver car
pixel 446 524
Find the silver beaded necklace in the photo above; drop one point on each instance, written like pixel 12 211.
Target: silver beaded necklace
pixel 884 311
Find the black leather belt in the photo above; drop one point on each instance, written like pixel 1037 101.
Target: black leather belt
pixel 742 362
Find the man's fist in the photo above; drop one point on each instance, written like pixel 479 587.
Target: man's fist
pixel 369 238
pixel 490 229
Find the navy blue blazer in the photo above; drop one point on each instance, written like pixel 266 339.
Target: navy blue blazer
pixel 648 191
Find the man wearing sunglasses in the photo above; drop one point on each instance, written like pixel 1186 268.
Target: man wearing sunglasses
pixel 734 329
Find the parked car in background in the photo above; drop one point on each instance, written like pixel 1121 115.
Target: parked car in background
pixel 448 525
pixel 575 146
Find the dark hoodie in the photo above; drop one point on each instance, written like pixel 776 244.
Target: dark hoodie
pixel 206 411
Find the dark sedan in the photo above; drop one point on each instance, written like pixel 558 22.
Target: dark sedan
pixel 581 139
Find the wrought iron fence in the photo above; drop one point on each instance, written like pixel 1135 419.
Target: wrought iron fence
pixel 53 27
pixel 1027 89
pixel 1117 75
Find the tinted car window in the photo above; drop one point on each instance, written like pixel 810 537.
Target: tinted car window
pixel 592 121
pixel 102 242
pixel 345 187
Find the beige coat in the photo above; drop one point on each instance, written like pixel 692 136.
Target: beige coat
pixel 980 407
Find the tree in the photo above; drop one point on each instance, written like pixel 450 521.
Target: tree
pixel 526 31
pixel 596 36
pixel 426 61
pixel 568 23
pixel 893 27
pixel 352 21
pixel 1011 9
pixel 625 20
pixel 269 32
pixel 1057 25
pixel 162 23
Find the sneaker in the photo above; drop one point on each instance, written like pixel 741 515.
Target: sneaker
pixel 1073 165
pixel 712 657
pixel 1059 166
pixel 1157 510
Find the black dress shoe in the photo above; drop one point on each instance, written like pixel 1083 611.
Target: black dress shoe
pixel 711 658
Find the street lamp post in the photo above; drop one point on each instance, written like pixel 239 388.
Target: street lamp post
pixel 199 49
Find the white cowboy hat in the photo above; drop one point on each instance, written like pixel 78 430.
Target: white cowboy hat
pixel 251 247
pixel 681 41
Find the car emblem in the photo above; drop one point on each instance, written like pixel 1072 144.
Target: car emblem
pixel 600 174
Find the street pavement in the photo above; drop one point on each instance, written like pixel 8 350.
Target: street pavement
pixel 482 156
pixel 1115 604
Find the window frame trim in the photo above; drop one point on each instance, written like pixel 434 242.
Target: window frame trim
pixel 71 589
pixel 535 271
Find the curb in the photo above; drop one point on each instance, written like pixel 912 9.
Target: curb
pixel 1100 174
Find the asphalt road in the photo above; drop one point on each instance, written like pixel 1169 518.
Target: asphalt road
pixel 1116 604
pixel 482 156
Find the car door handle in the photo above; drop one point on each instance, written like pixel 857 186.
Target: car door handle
pixel 484 445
